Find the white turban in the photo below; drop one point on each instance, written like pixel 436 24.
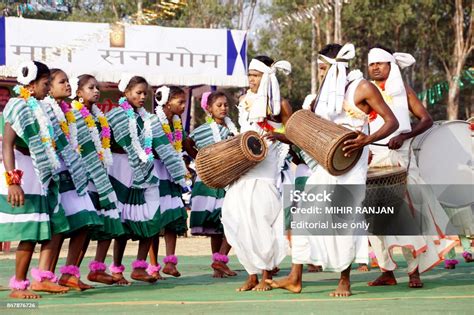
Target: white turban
pixel 331 94
pixel 268 94
pixel 394 84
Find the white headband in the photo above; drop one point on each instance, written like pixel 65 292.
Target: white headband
pixel 268 94
pixel 124 80
pixel 331 95
pixel 165 94
pixel 31 72
pixel 394 84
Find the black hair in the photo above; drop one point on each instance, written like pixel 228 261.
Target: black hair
pixel 135 81
pixel 43 71
pixel 55 72
pixel 330 50
pixel 266 60
pixel 6 89
pixel 383 48
pixel 214 96
pixel 174 92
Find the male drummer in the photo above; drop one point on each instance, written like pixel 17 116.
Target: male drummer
pixel 252 213
pixel 421 252
pixel 347 104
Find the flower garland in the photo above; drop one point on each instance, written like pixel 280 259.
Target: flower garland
pixel 104 133
pixel 46 131
pixel 71 120
pixel 145 154
pixel 59 115
pixel 177 139
pixel 215 129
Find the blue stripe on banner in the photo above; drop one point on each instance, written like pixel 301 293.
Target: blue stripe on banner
pixel 243 53
pixel 231 53
pixel 3 59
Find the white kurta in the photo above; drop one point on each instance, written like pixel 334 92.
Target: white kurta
pixel 421 251
pixel 252 213
pixel 336 253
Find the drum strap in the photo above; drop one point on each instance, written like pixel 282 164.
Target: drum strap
pixel 377 144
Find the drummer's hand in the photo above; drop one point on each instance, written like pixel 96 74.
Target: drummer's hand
pixel 396 142
pixel 351 146
pixel 272 136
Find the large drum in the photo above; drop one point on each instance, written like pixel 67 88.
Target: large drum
pixel 323 140
pixel 385 186
pixel 444 154
pixel 221 164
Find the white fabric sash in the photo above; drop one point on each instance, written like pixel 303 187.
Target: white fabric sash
pixel 268 94
pixel 331 95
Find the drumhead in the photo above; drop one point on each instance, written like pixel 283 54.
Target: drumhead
pixel 444 154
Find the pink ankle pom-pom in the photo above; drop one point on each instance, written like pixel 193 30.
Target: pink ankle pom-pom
pixel 466 255
pixel 40 275
pixel 220 257
pixel 71 270
pixel 116 269
pixel 372 255
pixel 139 264
pixel 450 262
pixel 97 266
pixel 19 285
pixel 153 269
pixel 171 259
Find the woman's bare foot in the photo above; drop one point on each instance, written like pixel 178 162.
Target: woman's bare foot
pixel 48 286
pixel 119 279
pixel 363 268
pixel 289 283
pixel 218 274
pixel 100 277
pixel 140 274
pixel 170 269
pixel 223 268
pixel 386 278
pixel 249 284
pixel 157 276
pixel 73 282
pixel 24 294
pixel 314 268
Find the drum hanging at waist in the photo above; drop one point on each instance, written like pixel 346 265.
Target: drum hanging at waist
pixel 221 164
pixel 323 140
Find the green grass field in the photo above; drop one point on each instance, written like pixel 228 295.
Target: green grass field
pixel 196 292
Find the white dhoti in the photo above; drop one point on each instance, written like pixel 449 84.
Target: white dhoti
pixel 252 217
pixel 334 253
pixel 420 251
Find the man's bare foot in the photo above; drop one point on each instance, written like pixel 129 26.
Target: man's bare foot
pixel 218 274
pixel 262 286
pixel 249 284
pixel 140 274
pixel 100 277
pixel 48 286
pixel 275 271
pixel 343 289
pixel 73 283
pixel 170 269
pixel 223 268
pixel 289 283
pixel 363 268
pixel 119 279
pixel 415 282
pixel 24 294
pixel 386 278
pixel 314 268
